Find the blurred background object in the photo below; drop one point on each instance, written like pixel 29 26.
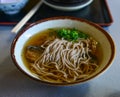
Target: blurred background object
pixel 67 5
pixel 12 6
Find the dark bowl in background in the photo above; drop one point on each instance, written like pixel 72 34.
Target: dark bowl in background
pixel 67 1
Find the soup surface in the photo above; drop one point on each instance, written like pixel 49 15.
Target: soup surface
pixel 62 55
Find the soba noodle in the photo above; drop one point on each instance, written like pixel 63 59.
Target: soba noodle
pixel 65 61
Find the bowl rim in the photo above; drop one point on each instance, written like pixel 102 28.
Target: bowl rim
pixel 10 3
pixel 112 44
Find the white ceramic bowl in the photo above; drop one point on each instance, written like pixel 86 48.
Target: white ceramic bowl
pixel 105 40
pixel 68 6
pixel 12 7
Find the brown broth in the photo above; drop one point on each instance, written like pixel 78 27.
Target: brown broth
pixel 39 38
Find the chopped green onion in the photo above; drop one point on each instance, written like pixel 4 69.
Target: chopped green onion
pixel 71 34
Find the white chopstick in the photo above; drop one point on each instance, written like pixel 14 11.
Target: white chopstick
pixel 17 28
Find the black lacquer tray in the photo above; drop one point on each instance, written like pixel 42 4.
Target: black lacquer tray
pixel 97 12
